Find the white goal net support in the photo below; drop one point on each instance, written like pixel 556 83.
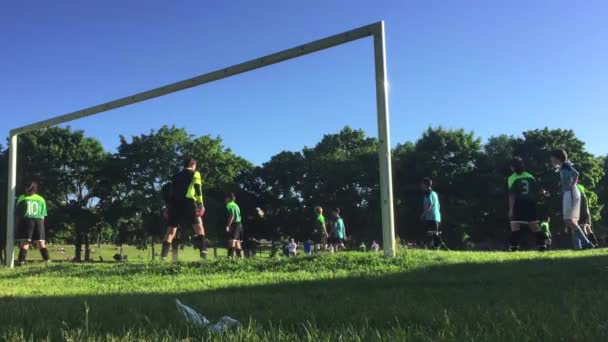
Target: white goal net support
pixel 376 31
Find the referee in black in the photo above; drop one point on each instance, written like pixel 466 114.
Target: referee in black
pixel 185 206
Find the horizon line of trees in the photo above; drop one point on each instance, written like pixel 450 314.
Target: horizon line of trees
pixel 94 195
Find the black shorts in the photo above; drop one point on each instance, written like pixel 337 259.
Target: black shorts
pixel 431 226
pixel 30 230
pixel 525 212
pixel 320 238
pixel 236 231
pixel 182 213
pixel 336 241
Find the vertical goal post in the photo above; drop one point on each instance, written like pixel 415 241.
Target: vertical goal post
pixel 375 30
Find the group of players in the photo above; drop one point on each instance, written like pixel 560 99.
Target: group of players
pixel 183 198
pixel 525 194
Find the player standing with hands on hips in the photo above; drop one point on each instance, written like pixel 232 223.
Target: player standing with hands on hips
pixel 571 195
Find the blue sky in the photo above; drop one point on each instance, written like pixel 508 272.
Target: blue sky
pixel 489 66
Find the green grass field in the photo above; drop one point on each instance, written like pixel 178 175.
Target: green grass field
pixel 107 252
pixel 419 296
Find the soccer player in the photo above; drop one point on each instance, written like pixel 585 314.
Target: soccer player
pixel 185 206
pixel 585 221
pixel 375 246
pixel 30 213
pixel 571 196
pixel 523 210
pixel 431 213
pixel 234 227
pixel 320 230
pixel 545 228
pixel 292 248
pixel 338 231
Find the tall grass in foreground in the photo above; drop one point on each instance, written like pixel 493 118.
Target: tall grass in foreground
pixel 418 296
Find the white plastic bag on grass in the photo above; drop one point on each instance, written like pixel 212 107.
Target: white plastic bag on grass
pixel 195 318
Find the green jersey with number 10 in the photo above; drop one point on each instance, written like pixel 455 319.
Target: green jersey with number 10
pixel 31 206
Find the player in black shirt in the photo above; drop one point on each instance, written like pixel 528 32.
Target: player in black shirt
pixel 523 199
pixel 185 206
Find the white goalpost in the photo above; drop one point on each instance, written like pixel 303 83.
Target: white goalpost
pixel 375 30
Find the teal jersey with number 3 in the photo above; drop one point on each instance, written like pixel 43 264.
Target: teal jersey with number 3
pixel 31 207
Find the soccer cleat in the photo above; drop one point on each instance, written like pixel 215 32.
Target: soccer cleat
pixel 589 246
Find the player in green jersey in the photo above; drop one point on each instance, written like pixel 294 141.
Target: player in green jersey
pixel 320 230
pixel 585 219
pixel 234 226
pixel 30 213
pixel 523 198
pixel 545 227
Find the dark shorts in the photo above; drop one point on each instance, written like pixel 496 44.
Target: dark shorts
pixel 236 231
pixel 525 212
pixel 30 230
pixel 336 241
pixel 431 226
pixel 182 213
pixel 320 239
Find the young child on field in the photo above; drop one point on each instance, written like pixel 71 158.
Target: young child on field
pixel 293 248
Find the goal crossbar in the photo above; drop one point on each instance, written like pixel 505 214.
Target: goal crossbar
pixel 376 30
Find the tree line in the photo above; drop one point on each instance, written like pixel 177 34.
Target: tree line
pixel 95 195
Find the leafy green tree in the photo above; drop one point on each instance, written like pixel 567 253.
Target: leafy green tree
pixel 67 164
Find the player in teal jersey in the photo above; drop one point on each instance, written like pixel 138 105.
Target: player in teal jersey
pixel 431 212
pixel 523 210
pixel 30 213
pixel 571 195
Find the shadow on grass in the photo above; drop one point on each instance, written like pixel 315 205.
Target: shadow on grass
pixel 555 298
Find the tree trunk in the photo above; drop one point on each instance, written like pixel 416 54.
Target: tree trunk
pixel 87 249
pixel 78 248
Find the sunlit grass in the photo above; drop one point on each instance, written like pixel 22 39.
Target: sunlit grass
pixel 420 295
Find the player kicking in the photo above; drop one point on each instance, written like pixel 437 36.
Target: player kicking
pixel 523 196
pixel 234 226
pixel 185 206
pixel 571 195
pixel 30 214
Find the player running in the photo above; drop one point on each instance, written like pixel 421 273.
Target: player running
pixel 431 212
pixel 571 195
pixel 185 206
pixel 234 227
pixel 523 197
pixel 30 213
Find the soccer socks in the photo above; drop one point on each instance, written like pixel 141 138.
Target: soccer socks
pixel 514 240
pixel 230 253
pixel 165 251
pixel 239 253
pixel 584 241
pixel 45 254
pixel 592 238
pixel 541 241
pixel 22 256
